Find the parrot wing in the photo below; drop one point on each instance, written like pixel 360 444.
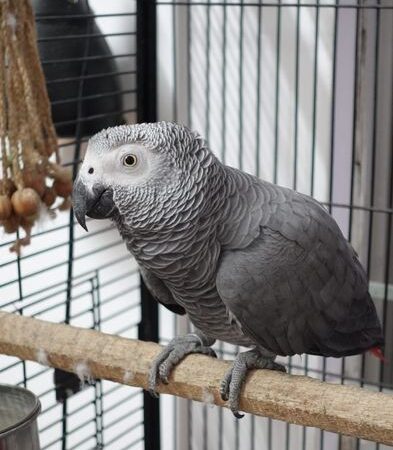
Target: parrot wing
pixel 298 287
pixel 160 292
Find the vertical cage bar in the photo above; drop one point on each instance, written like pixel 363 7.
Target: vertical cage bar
pixel 148 331
pixel 78 144
pixel 224 84
pixel 98 398
pixel 175 63
pixel 275 163
pixel 373 180
pixel 277 96
pixel 146 61
pixel 205 428
pixel 258 149
pixel 20 292
pixel 332 129
pixel 147 112
pixel 189 62
pixel 313 153
pixel 314 105
pixel 241 132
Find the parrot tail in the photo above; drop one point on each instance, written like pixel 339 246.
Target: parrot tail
pixel 377 352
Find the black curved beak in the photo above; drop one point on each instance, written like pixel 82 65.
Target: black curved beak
pixel 96 203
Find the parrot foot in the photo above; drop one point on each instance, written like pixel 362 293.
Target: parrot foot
pixel 173 353
pixel 233 380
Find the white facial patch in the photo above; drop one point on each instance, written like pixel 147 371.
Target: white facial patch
pixel 109 168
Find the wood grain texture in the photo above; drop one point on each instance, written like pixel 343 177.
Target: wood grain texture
pixel 296 399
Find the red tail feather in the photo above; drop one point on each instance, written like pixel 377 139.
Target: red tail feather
pixel 376 351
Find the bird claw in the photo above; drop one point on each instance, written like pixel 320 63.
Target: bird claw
pixel 211 352
pixel 153 393
pixel 152 389
pixel 171 355
pixel 234 378
pixel 224 386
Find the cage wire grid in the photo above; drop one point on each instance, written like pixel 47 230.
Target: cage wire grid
pixel 300 94
pixel 66 275
pixel 296 92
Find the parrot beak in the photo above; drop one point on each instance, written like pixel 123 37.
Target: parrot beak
pixel 96 202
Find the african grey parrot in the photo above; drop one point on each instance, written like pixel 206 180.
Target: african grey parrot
pixel 251 263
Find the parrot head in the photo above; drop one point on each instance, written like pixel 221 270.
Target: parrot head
pixel 135 171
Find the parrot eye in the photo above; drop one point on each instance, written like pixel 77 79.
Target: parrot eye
pixel 129 160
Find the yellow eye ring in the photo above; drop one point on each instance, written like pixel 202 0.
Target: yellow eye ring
pixel 129 160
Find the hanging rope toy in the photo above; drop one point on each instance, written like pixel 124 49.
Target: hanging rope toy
pixel 31 176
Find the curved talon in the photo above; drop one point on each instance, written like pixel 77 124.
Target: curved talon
pixel 153 384
pixel 171 355
pixel 163 372
pixel 224 396
pixel 234 378
pixel 164 380
pixel 279 367
pixel 211 352
pixel 224 386
pixel 153 393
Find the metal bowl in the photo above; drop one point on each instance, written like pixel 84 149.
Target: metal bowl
pixel 19 409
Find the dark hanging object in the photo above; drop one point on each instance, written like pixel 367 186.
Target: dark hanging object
pixel 55 43
pixel 66 385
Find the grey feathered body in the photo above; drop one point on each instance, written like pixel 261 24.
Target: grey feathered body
pixel 251 263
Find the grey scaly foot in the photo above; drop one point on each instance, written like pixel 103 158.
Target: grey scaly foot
pixel 173 353
pixel 233 380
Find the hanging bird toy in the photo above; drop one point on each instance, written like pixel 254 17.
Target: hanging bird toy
pixel 31 177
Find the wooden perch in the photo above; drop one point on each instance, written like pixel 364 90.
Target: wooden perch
pixel 296 399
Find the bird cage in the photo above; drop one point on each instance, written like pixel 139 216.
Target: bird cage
pixel 295 92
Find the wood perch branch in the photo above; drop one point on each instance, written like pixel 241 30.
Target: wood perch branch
pixel 297 399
